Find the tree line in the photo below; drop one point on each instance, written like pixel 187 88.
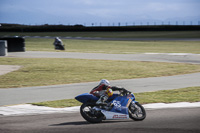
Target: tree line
pixel 74 28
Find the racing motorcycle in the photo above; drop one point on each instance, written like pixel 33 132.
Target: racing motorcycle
pixel 119 106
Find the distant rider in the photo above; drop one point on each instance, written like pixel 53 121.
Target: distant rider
pixel 58 44
pixel 104 91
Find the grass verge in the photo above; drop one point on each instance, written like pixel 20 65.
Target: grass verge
pixel 190 94
pixel 116 47
pixel 48 71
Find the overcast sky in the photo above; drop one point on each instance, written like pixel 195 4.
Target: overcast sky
pixel 100 12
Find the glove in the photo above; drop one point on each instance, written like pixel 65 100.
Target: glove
pixel 124 90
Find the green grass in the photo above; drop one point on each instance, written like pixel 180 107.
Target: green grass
pixel 190 94
pixel 48 71
pixel 59 103
pixel 131 34
pixel 116 47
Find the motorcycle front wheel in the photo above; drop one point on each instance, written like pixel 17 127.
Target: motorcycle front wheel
pixel 137 112
pixel 89 114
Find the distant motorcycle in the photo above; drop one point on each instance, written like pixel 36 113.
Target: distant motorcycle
pixel 119 106
pixel 58 44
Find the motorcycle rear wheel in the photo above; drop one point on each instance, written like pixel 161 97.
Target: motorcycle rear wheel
pixel 137 112
pixel 89 114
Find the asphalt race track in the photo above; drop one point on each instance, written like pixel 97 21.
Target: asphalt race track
pixel 56 92
pixel 161 57
pixel 185 120
pixel 118 39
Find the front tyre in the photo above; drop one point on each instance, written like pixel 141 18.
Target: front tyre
pixel 89 114
pixel 137 112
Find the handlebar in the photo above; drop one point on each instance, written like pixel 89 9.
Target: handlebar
pixel 124 92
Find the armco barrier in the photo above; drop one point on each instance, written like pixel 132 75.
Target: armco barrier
pixel 3 48
pixel 15 44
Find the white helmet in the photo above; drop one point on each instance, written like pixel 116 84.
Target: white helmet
pixel 104 81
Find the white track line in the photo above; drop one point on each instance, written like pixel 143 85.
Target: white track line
pixel 180 54
pixel 28 109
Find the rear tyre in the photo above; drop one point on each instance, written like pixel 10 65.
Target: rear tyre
pixel 90 114
pixel 137 112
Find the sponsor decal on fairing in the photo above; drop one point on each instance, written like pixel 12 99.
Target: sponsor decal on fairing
pixel 114 115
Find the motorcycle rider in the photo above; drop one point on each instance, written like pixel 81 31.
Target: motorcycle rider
pixel 104 91
pixel 58 44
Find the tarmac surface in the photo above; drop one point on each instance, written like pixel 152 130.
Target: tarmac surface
pixel 155 57
pixel 56 92
pixel 118 39
pixel 184 120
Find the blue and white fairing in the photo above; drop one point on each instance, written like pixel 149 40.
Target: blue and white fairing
pixel 120 105
pixel 85 97
pixel 120 108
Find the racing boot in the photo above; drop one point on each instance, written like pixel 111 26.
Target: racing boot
pixel 109 106
pixel 102 100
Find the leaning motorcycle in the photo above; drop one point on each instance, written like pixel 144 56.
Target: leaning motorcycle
pixel 119 106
